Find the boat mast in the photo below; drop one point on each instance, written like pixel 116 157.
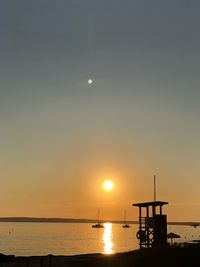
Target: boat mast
pixel 125 217
pixel 98 216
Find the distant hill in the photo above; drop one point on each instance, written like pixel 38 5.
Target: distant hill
pixel 72 220
pixel 45 220
pixel 55 220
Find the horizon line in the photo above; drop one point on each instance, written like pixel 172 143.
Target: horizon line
pixel 76 220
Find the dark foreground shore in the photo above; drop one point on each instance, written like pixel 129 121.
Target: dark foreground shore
pixel 163 257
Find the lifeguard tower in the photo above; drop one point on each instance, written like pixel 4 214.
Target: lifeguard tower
pixel 152 224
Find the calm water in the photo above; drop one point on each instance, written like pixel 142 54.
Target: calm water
pixel 27 239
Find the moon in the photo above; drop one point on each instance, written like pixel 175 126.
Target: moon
pixel 108 185
pixel 90 81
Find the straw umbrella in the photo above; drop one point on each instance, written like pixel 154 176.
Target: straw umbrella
pixel 172 236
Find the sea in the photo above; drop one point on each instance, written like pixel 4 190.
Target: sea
pixel 27 239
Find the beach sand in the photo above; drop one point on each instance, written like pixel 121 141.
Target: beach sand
pixel 162 257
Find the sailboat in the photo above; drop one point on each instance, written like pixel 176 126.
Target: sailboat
pixel 125 225
pixel 98 224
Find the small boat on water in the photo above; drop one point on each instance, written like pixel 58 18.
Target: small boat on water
pixel 125 225
pixel 98 224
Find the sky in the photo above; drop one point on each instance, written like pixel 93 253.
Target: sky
pixel 61 137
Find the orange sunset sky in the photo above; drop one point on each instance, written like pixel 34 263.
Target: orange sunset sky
pixel 61 136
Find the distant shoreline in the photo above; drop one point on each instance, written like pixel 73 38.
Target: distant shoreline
pixel 72 220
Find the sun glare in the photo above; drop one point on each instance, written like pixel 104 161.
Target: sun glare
pixel 107 239
pixel 108 185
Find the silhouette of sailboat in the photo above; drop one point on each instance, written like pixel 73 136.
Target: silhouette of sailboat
pixel 98 224
pixel 125 225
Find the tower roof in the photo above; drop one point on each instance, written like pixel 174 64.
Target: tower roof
pixel 152 203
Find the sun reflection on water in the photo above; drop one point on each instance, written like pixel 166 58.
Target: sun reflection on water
pixel 107 239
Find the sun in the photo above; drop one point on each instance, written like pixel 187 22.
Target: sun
pixel 108 185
